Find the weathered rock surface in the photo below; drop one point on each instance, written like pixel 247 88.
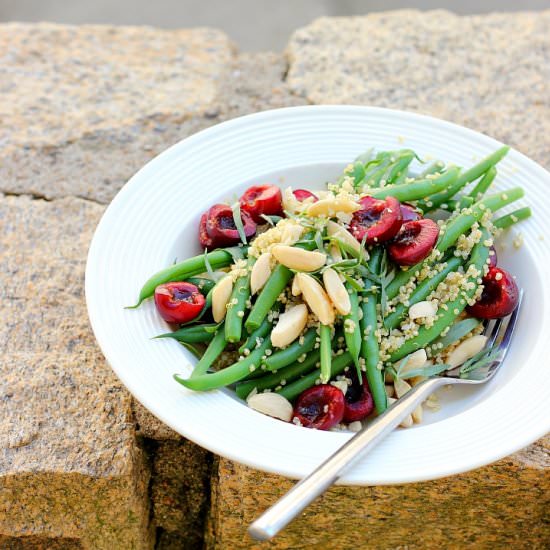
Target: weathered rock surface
pixel 69 464
pixel 487 72
pixel 503 505
pixel 83 108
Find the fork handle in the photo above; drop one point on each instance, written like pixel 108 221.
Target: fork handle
pixel 309 488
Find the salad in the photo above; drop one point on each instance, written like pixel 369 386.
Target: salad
pixel 321 308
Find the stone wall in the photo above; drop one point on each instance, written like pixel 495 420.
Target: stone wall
pixel 82 108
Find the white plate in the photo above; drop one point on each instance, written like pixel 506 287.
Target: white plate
pixel 153 220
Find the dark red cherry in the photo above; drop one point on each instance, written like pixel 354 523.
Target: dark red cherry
pixel 358 400
pixel 221 229
pixel 409 213
pixel 262 199
pixel 499 297
pixel 320 407
pixel 178 302
pixel 378 220
pixel 414 242
pixel 304 194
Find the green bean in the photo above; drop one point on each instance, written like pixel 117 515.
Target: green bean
pixel 514 217
pixel 279 378
pixel 446 315
pixel 203 284
pixel 261 332
pixel 417 189
pixel 293 390
pixel 453 204
pixel 421 292
pixel 463 179
pixel 400 166
pixel 285 357
pixel 229 375
pixel 484 165
pixel 325 332
pixel 456 227
pixel 212 352
pixel 237 305
pixel 484 183
pixel 436 166
pixel 276 283
pixel 192 335
pixel 352 334
pixel 182 271
pixel 370 351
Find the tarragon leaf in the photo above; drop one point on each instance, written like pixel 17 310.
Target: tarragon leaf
pixel 237 220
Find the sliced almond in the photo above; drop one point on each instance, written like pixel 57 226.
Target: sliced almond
pixel 466 350
pixel 272 404
pixel 290 325
pixel 355 426
pixel 407 422
pixel 423 309
pixel 414 361
pixel 331 206
pixel 390 390
pixel 296 290
pixel 343 235
pixel 316 298
pixel 221 294
pixel 260 273
pixel 336 291
pixel 298 258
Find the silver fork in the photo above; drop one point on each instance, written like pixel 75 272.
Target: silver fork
pixel 308 489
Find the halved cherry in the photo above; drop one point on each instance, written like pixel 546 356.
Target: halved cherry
pixel 178 302
pixel 379 220
pixel 320 407
pixel 204 239
pixel 358 400
pixel 409 213
pixel 414 242
pixel 220 226
pixel 499 297
pixel 304 194
pixel 262 199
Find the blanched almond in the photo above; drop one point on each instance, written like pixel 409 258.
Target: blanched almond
pixel 423 309
pixel 291 233
pixel 335 254
pixel 414 361
pixel 336 291
pixel 466 350
pixel 343 235
pixel 331 206
pixel 221 295
pixel 296 290
pixel 272 404
pixel 298 258
pixel 260 273
pixel 401 387
pixel 290 325
pixel 316 298
pixel 417 414
pixel 407 422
